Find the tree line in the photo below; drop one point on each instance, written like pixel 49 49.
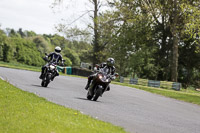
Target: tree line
pixel 153 39
pixel 27 47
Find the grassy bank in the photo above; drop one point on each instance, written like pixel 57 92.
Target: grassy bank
pixel 23 112
pixel 187 96
pixel 19 66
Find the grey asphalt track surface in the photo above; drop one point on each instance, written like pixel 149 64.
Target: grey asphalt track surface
pixel 135 110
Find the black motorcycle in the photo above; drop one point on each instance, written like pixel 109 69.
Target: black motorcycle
pixel 100 84
pixel 50 72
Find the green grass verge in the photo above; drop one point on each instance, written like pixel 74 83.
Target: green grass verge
pixel 19 66
pixel 24 112
pixel 187 96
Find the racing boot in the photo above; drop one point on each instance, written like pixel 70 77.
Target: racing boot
pixel 88 84
pixel 53 78
pixel 41 76
pixel 108 89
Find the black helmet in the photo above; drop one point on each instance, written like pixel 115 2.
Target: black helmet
pixel 110 62
pixel 57 49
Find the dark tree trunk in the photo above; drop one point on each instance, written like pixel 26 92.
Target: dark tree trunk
pixel 174 65
pixel 96 36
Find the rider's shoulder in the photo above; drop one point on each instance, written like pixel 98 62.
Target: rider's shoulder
pixel 103 64
pixel 51 53
pixel 56 53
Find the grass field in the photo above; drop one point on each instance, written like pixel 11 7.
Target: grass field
pixel 24 112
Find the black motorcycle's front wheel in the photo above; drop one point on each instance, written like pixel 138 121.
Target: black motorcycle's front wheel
pixel 46 81
pixel 97 94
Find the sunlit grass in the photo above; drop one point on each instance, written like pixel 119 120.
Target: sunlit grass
pixel 19 66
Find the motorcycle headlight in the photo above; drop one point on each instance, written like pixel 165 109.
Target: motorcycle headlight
pixel 100 76
pixel 52 67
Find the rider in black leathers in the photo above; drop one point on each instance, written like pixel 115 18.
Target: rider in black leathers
pixel 110 64
pixel 54 57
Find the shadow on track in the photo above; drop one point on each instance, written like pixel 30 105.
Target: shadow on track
pixel 36 85
pixel 80 98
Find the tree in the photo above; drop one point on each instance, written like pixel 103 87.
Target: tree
pixel 73 56
pixel 41 44
pixel 130 38
pixel 168 14
pixel 3 38
pixel 96 43
pixel 191 13
pixel 29 33
pixel 6 52
pixel 21 32
pixel 74 33
pixel 13 33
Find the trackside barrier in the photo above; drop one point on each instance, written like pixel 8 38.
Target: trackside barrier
pixel 166 85
pixel 74 71
pixel 60 69
pixel 81 72
pixel 133 81
pixel 143 82
pixel 121 79
pixel 152 83
pixel 176 86
pixel 66 70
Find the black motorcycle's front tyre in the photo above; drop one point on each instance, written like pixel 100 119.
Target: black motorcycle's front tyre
pixel 46 81
pixel 97 94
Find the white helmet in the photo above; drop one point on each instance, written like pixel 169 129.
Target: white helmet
pixel 57 49
pixel 110 62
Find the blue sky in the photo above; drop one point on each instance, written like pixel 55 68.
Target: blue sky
pixel 36 15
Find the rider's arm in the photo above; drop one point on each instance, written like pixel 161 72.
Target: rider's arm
pixel 102 65
pixel 113 73
pixel 61 60
pixel 50 55
pixel 113 70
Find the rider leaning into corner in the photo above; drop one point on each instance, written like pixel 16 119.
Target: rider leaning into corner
pixel 54 57
pixel 109 64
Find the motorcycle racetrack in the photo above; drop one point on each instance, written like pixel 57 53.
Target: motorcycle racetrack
pixel 135 110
